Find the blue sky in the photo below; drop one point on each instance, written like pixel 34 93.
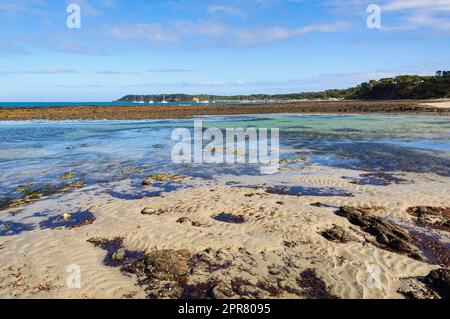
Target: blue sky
pixel 216 47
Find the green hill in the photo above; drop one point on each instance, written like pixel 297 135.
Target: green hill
pixel 396 88
pixel 405 87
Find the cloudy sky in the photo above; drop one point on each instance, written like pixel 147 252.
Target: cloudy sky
pixel 217 47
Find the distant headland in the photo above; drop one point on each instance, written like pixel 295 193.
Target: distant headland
pixel 403 87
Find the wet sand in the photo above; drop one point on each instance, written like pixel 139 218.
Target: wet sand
pixel 185 111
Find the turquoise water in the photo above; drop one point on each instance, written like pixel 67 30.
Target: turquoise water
pixel 39 153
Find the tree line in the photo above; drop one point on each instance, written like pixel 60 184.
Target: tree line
pixel 396 88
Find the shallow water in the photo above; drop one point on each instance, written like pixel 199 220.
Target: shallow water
pixel 69 104
pixel 34 154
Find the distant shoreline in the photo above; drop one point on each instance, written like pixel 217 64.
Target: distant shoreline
pixel 141 112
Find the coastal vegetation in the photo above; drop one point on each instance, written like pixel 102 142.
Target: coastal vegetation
pixel 405 87
pixel 396 88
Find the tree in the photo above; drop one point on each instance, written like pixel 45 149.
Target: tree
pixel 439 73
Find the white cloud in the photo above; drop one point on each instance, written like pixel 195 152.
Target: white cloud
pixel 218 8
pixel 417 14
pixel 428 5
pixel 398 15
pixel 153 32
pixel 205 34
pixel 92 8
pixel 13 8
pixel 427 20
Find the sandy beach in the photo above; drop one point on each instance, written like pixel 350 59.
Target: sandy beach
pixel 230 241
pixel 438 104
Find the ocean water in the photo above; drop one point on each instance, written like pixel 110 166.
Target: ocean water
pixel 68 104
pixel 38 153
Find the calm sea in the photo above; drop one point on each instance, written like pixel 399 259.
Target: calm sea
pixel 39 152
pixel 68 104
pixel 114 157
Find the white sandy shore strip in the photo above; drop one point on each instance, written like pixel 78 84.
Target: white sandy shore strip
pixel 279 239
pixel 438 104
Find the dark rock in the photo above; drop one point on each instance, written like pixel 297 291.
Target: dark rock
pixel 436 285
pixel 424 210
pixel 162 273
pixel 273 289
pixel 387 235
pixel 152 211
pixel 166 264
pixel 210 260
pixel 222 291
pixel 148 211
pixel 435 217
pixel 169 290
pixel 199 290
pixel 338 234
pixel 230 218
pixel 313 286
pixel 184 220
pixel 413 288
pixel 439 281
pixel 101 242
pixel 244 288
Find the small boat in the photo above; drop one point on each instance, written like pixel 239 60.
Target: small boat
pixel 164 100
pixel 139 102
pixel 151 102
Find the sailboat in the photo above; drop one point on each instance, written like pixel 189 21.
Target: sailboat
pixel 164 100
pixel 142 100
